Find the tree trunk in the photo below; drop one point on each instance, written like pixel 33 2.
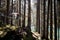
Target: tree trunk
pixel 11 10
pixel 0 3
pixel 47 20
pixel 38 16
pixel 20 12
pixel 55 19
pixel 7 20
pixel 24 13
pixel 29 14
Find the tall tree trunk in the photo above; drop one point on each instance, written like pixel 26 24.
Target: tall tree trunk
pixel 47 19
pixel 38 16
pixel 29 14
pixel 11 10
pixel 20 12
pixel 55 18
pixel 7 20
pixel 24 13
pixel 51 22
pixel 44 18
pixel 0 3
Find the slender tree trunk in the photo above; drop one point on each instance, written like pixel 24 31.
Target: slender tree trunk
pixel 29 14
pixel 42 19
pixel 47 20
pixel 20 12
pixel 55 18
pixel 11 10
pixel 24 13
pixel 7 20
pixel 51 22
pixel 38 16
pixel 0 3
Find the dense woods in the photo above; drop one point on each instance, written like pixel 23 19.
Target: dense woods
pixel 21 19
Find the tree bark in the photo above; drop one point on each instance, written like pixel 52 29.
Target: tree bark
pixel 24 13
pixel 7 20
pixel 20 12
pixel 38 16
pixel 55 18
pixel 29 14
pixel 0 3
